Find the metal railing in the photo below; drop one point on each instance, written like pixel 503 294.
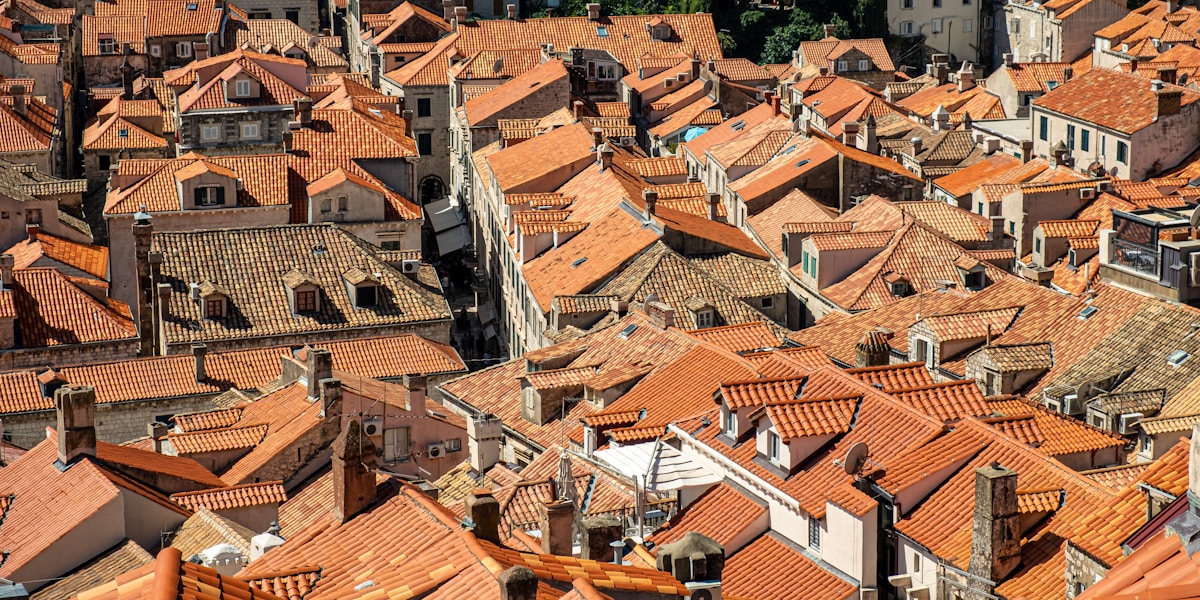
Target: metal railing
pixel 1143 259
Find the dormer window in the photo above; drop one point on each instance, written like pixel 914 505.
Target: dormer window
pixel 108 43
pixel 363 287
pixel 729 427
pixel 303 292
pixel 210 195
pixel 214 301
pixel 242 88
pixel 704 314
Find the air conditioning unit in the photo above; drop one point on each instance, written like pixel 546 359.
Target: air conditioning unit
pixel 1087 194
pixel 626 141
pixel 1129 423
pixel 1104 186
pixel 194 291
pixel 1072 405
pixel 409 266
pixel 435 450
pixel 373 427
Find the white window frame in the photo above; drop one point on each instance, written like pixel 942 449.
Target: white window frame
pixel 396 441
pixel 210 195
pixel 843 66
pixel 968 25
pixel 250 130
pixel 183 49
pixel 731 423
pixel 241 88
pixel 107 44
pixel 864 64
pixel 155 49
pixel 210 127
pixel 935 26
pixel 773 446
pixel 906 28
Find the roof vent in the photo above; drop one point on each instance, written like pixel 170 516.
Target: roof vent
pixel 625 333
pixel 1087 313
pixel 1177 358
pixel 578 261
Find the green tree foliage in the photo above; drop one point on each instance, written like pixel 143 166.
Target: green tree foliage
pixel 870 19
pixel 802 27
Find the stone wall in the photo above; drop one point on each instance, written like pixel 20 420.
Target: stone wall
pixel 115 423
pixel 1083 571
pixel 72 354
pixel 437 331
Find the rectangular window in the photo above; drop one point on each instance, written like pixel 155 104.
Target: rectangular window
pixel 935 26
pixel 864 64
pixel 1122 152
pixel 606 72
pixel 183 49
pixel 105 162
pixel 425 144
pixel 842 66
pixel 967 25
pixel 155 50
pixel 292 14
pixel 213 309
pixel 768 302
pixel 326 205
pixel 906 4
pixel 424 107
pixel 773 447
pixel 1043 129
pixel 306 301
pixel 814 534
pixel 937 3
pixel 731 423
pixel 210 196
pixel 260 13
pixel 453 444
pixel 1016 26
pixel 922 351
pixel 395 444
pixel 210 133
pixel 704 318
pixel 364 296
pixel 390 244
pixel 1037 244
pixel 1147 442
pixel 1084 140
pixel 1071 137
pixel 906 28
pixel 250 131
pixel 1103 145
pixel 108 45
pixel 342 204
pixel 242 88
pixel 1012 228
pixel 33 216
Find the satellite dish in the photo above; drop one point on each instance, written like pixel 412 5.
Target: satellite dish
pixel 498 66
pixel 856 456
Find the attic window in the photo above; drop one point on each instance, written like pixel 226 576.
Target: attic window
pixel 123 133
pixel 108 44
pixel 738 125
pixel 625 333
pixel 210 195
pixel 1177 358
pixel 601 31
pixel 1087 313
pixel 899 288
pixel 1051 84
pixel 192 6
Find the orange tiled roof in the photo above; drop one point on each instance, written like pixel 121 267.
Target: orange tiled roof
pixel 54 311
pixel 237 496
pixel 723 513
pixel 1036 76
pixel 218 440
pixel 1118 101
pixel 116 133
pixel 430 69
pixel 92 260
pixel 820 52
pixel 791 573
pixel 170 577
pixel 624 37
pixel 904 376
pixel 739 338
pixel 271 72
pixel 482 109
pixel 807 417
pixel 949 401
pixel 157 189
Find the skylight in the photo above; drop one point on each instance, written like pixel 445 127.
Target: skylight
pixel 802 163
pixel 578 261
pixel 625 333
pixel 123 133
pixel 738 125
pixel 192 6
pixel 1177 358
pixel 602 31
pixel 1087 312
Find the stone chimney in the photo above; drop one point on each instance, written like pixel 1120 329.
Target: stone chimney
pixel 76 407
pixel 484 435
pixel 558 527
pixel 829 30
pixel 916 146
pixel 157 432
pixel 1068 73
pixel 353 479
pixel 867 139
pixel 1167 101
pixel 1172 6
pixel 32 230
pixel 484 511
pixel 694 557
pixel 18 96
pixel 661 314
pixel 302 107
pixel 318 366
pixel 941 119
pixel 996 532
pixel 126 79
pixel 872 350
pixel 1194 465
pixel 1026 150
pixel 200 50
pixel 650 197
pixel 288 144
pixel 331 400
pixel 198 352
pixel 850 133
pixel 511 9
pixel 460 16
pixel 966 77
pixel 599 532
pixel 517 583
pixel 448 10
pixel 714 204
pixel 1008 59
pixel 597 138
pixel 605 153
pixel 593 9
pixel 141 253
pixel 7 262
pixel 416 384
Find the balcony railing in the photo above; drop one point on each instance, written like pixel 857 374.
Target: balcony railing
pixel 1143 259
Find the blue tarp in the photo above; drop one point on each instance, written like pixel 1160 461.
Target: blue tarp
pixel 693 133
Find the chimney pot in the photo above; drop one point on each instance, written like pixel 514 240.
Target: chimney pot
pixel 606 156
pixel 1008 59
pixel 714 202
pixel 32 230
pixel 484 435
pixel 517 583
pixel 331 399
pixel 198 352
pixel 484 511
pixel 416 385
pixel 318 366
pixel 558 527
pixel 303 111
pixel 829 30
pixel 593 9
pixel 512 11
pixel 996 535
pixel 76 408
pixel 694 557
pixel 650 197
pixel 199 50
pixel 353 479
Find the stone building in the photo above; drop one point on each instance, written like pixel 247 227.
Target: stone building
pixel 1055 31
pixel 29 196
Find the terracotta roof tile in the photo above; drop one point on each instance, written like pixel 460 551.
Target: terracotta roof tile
pixel 904 376
pixel 791 574
pixel 949 401
pixel 123 557
pixel 1117 478
pixel 745 337
pixel 170 577
pixel 217 440
pixel 90 259
pixel 482 109
pixel 1039 501
pixel 807 417
pixel 1060 434
pixel 1111 99
pixel 255 33
pixel 1036 76
pixel 820 52
pixel 54 311
pixel 157 190
pixel 238 496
